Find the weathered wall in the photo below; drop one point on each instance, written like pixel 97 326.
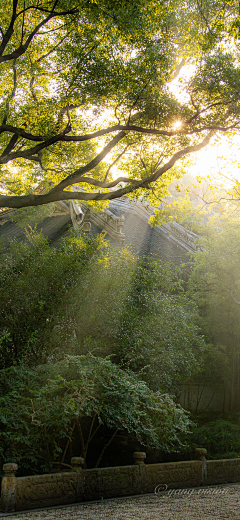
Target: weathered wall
pixel 137 479
pixel 80 484
pixel 223 471
pixel 48 490
pixel 174 474
pixel 112 482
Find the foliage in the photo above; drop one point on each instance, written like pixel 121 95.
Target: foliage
pixel 80 77
pixel 158 331
pixel 87 297
pixel 137 312
pixel 214 285
pixel 38 405
pixel 220 438
pixel 34 280
pixel 84 297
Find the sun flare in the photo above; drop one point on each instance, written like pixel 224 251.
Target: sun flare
pixel 177 124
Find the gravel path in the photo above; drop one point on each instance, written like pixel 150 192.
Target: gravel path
pixel 218 502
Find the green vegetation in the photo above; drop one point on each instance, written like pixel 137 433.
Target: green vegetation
pixel 220 437
pixel 91 337
pixel 41 407
pixel 94 339
pixel 214 286
pixel 213 280
pixel 90 334
pixel 87 85
pixel 34 280
pixel 135 321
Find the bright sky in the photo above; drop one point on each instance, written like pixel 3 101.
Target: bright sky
pixel 219 158
pixel 222 156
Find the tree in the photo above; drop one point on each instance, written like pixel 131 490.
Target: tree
pixel 158 332
pixel 74 72
pixel 35 279
pixel 41 407
pixel 214 285
pixel 135 311
pixel 86 297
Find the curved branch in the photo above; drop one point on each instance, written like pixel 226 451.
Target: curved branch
pixel 7 36
pixel 52 50
pixel 23 47
pixel 77 176
pixel 11 95
pixel 57 193
pixel 116 160
pixel 28 153
pixel 10 145
pixel 179 155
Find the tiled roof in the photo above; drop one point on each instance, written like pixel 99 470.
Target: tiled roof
pixel 169 242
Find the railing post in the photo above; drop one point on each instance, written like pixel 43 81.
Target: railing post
pixel 201 455
pixel 139 457
pixel 9 488
pixel 77 464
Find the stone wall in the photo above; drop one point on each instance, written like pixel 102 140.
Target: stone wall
pixel 112 482
pixel 50 490
pixel 223 471
pixel 18 494
pixel 186 474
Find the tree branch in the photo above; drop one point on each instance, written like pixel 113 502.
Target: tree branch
pixel 11 95
pixel 10 145
pixel 81 439
pixel 57 193
pixel 7 36
pixel 204 17
pixel 23 47
pixel 179 155
pixel 52 50
pixel 28 153
pixel 23 20
pixel 78 174
pixel 105 448
pixel 21 132
pixel 116 160
pixel 178 68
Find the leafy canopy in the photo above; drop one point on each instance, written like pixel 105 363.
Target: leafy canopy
pixel 35 280
pixel 87 86
pixel 87 297
pixel 37 407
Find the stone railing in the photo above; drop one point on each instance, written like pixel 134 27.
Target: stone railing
pixel 188 238
pixel 81 217
pixel 78 484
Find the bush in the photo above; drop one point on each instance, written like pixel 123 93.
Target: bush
pixel 35 279
pixel 40 409
pixel 221 439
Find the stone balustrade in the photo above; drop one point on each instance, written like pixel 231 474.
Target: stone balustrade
pixel 78 484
